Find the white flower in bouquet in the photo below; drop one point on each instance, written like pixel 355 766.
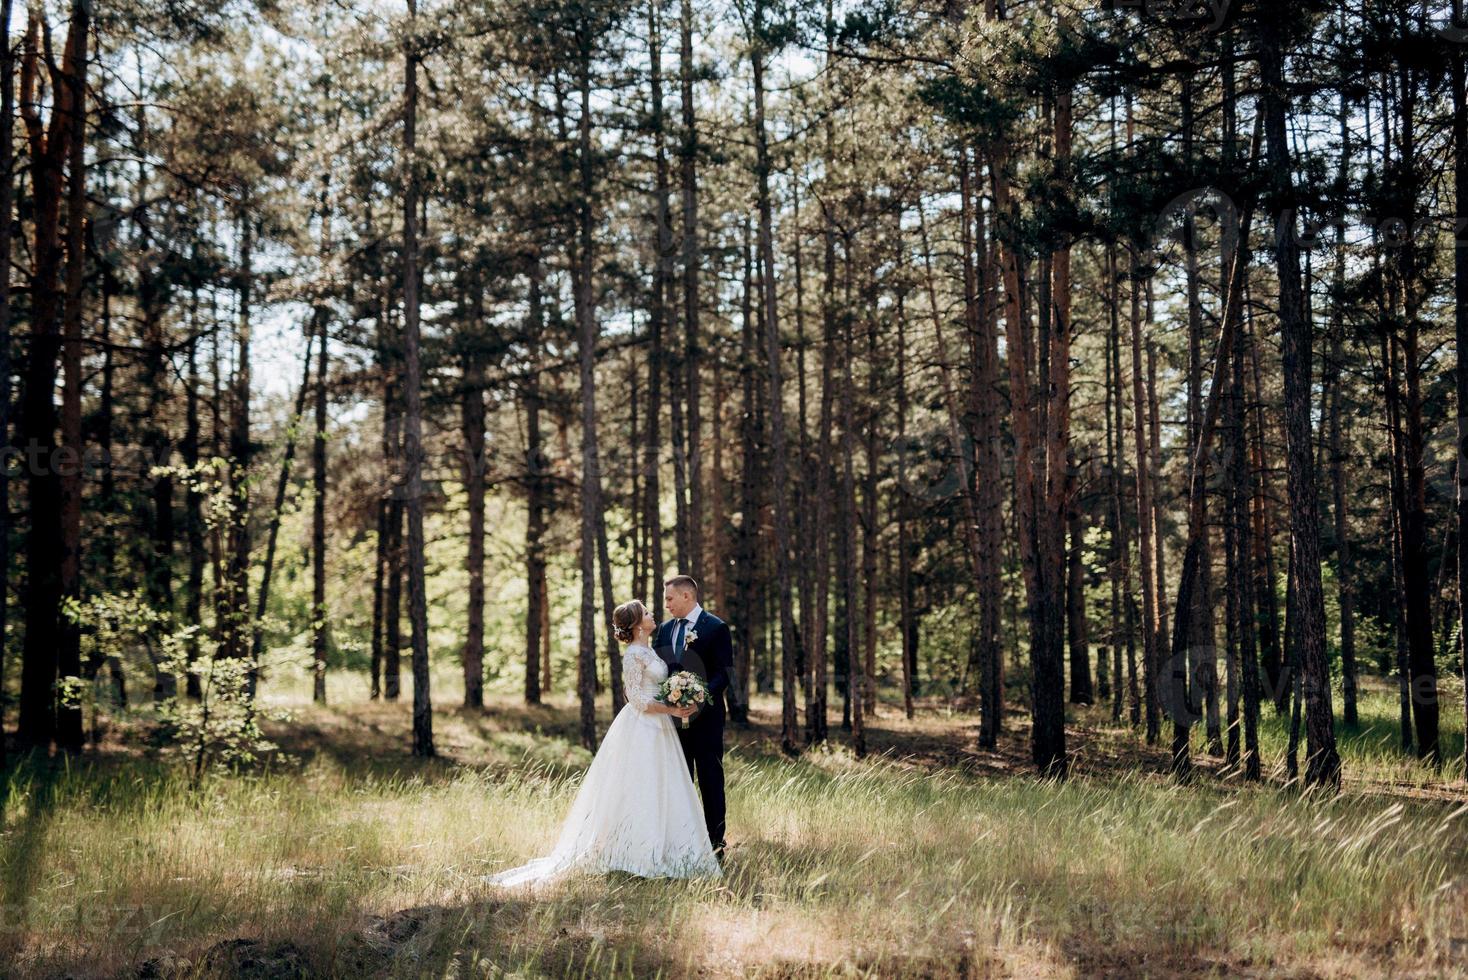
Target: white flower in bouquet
pixel 683 690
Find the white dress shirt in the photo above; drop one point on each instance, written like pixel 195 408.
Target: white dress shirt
pixel 691 619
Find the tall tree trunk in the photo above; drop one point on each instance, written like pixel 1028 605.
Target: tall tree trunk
pixel 536 526
pixel 1078 635
pixel 413 407
pixel 587 331
pixel 789 722
pixel 1154 450
pixel 1416 553
pixel 383 571
pixel 193 501
pixel 802 525
pixel 1460 324
pixel 69 729
pixel 319 632
pixel 908 620
pixel 1203 652
pixel 870 533
pixel 747 546
pixel 692 258
pixel 157 555
pixel 1119 560
pixel 1323 766
pixel 986 481
pixel 660 306
pixel 1037 421
pixel 471 410
pixel 240 629
pixel 1240 561
pixel 816 723
pixel 45 585
pixel 392 666
pixel 7 209
pixel 1398 603
pixel 379 601
pixel 107 492
pixel 1048 732
pixel 1179 702
pixel 217 450
pixel 1344 573
pixel 1147 568
pixel 855 681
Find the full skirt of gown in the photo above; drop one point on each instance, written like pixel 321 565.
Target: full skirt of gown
pixel 636 810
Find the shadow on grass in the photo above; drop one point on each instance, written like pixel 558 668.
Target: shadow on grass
pixel 28 791
pixel 569 935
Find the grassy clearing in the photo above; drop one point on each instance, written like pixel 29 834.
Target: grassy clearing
pixel 931 859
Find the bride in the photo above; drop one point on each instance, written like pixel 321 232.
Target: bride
pixel 636 810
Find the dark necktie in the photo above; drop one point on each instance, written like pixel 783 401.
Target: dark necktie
pixel 678 645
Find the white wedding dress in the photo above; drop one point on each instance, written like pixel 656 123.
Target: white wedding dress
pixel 636 810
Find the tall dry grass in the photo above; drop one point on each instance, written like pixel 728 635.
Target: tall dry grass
pixel 352 859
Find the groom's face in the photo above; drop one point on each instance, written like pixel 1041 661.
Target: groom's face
pixel 677 601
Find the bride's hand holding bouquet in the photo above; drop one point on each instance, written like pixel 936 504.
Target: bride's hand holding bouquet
pixel 684 689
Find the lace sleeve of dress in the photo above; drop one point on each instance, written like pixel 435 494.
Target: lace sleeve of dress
pixel 633 670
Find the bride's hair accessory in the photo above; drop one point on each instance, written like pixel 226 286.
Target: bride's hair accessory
pixel 626 618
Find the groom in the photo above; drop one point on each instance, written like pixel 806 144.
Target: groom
pixel 696 640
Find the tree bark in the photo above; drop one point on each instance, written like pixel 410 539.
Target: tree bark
pixel 746 576
pixel 1119 560
pixel 587 332
pixel 692 258
pixel 471 413
pixel 319 632
pixel 1145 528
pixel 1265 581
pixel 789 722
pixel 1323 766
pixel 870 533
pixel 413 408
pixel 907 618
pixel 1460 325
pixel 1241 558
pixel 536 526
pixel 69 713
pixel 240 630
pixel 855 680
pixel 45 561
pixel 193 501
pixel 1345 574
pixel 1039 421
pixel 7 210
pixel 659 307
pixel 1078 634
pixel 1416 552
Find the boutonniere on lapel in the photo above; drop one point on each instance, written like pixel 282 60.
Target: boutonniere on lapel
pixel 689 638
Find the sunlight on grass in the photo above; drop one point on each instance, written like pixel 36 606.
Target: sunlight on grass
pixel 880 867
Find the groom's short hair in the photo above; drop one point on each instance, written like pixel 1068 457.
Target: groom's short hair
pixel 682 582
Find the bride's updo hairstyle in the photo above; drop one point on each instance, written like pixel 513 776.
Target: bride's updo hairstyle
pixel 626 618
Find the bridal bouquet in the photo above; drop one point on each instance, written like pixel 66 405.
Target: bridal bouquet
pixel 684 689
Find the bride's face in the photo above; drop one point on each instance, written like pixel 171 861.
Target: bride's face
pixel 648 624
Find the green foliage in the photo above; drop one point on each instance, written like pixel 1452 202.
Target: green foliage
pixel 220 731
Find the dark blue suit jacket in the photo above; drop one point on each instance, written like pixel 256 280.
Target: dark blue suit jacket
pixel 711 656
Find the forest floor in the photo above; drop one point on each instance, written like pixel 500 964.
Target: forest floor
pixel 348 857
